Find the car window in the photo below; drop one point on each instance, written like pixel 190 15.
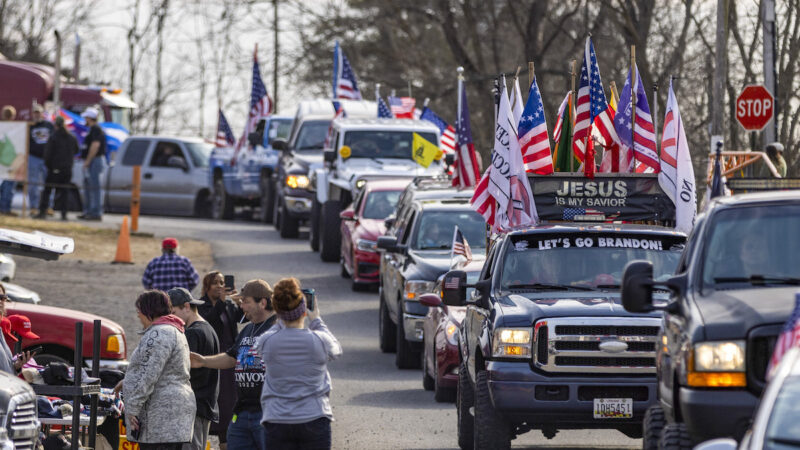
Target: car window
pixel 278 129
pixel 135 153
pixel 691 244
pixel 436 229
pixel 200 152
pixel 383 144
pixel 404 230
pixel 163 152
pixel 312 135
pixel 380 204
pixel 783 429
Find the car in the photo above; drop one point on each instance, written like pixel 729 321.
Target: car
pixel 416 251
pixel 8 268
pixel 731 294
pixel 362 224
pixel 440 356
pixel 174 176
pixel 17 293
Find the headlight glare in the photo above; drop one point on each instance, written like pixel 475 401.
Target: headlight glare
pixel 719 356
pixel 450 333
pixel 512 343
pixel 297 181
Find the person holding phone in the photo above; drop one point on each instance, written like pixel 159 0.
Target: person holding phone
pixel 297 385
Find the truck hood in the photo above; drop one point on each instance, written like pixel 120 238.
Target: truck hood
pixel 524 309
pixel 355 168
pixel 41 315
pixel 307 162
pixel 11 387
pixel 729 314
pixel 430 264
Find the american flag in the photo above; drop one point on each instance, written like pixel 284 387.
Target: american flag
pixel 383 109
pixel 587 214
pixel 642 138
pixel 260 104
pixel 224 133
pixel 460 246
pixel 533 139
pixel 402 107
pixel 339 108
pixel 592 109
pixel 466 160
pixel 448 133
pixel 789 337
pixel 344 80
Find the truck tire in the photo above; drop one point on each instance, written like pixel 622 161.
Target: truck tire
pixel 290 228
pixel 491 429
pixel 222 203
pixel 675 436
pixel 406 357
pixel 428 382
pixel 386 331
pixel 465 400
pixel 313 225
pixel 330 236
pixel 267 199
pixel 440 393
pixel 276 213
pixel 652 425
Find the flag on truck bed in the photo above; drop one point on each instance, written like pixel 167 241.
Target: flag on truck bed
pixel 562 136
pixel 677 174
pixel 225 136
pixel 640 137
pixel 533 140
pixel 260 104
pixel 465 162
pixel 402 107
pixel 446 131
pixel 789 337
pixel 344 79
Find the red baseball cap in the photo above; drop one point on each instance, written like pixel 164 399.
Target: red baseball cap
pixel 5 324
pixel 169 243
pixel 22 326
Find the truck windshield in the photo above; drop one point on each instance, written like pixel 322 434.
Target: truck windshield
pixel 435 230
pixel 312 135
pixel 783 430
pixel 379 204
pixel 200 153
pixel 753 246
pixel 584 262
pixel 382 144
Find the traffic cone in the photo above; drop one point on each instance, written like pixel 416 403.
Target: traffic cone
pixel 123 244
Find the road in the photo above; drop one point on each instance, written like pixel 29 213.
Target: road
pixel 375 405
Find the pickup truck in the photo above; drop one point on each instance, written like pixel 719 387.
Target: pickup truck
pixel 731 294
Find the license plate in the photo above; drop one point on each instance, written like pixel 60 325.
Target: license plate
pixel 613 408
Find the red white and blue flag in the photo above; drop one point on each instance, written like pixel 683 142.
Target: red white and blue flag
pixel 383 109
pixel 641 136
pixel 466 160
pixel 344 80
pixel 677 174
pixel 339 113
pixel 260 105
pixel 533 140
pixel 447 143
pixel 789 337
pixel 225 136
pixel 560 119
pixel 402 107
pixel 460 246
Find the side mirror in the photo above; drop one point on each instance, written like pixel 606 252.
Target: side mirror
pixel 280 145
pixel 388 243
pixel 637 287
pixel 718 444
pixel 430 300
pixel 347 214
pixel 177 162
pixel 389 221
pixel 454 288
pixel 329 156
pixel 449 159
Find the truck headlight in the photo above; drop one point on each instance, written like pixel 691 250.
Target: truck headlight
pixel 115 344
pixel 297 181
pixel 367 246
pixel 451 332
pixel 415 288
pixel 512 343
pixel 717 364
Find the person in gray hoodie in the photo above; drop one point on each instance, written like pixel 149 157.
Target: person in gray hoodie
pixel 159 402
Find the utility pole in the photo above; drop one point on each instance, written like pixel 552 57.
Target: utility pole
pixel 768 21
pixel 720 71
pixel 57 86
pixel 275 59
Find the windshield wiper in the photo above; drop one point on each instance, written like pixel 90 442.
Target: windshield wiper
pixel 608 286
pixel 554 287
pixel 759 280
pixel 434 247
pixel 785 441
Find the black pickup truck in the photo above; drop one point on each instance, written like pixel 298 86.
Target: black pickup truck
pixel 546 343
pixel 732 292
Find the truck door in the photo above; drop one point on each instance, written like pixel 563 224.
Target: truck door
pixel 165 188
pixel 393 276
pixel 120 176
pixel 474 322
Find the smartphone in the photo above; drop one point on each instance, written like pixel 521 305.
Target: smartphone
pixel 137 432
pixel 36 350
pixel 229 282
pixel 310 296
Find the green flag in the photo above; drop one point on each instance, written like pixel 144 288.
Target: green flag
pixel 7 151
pixel 564 145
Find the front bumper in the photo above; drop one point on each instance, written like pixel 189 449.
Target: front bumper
pixel 523 395
pixel 710 414
pixel 113 364
pixel 413 326
pixel 447 363
pixel 366 266
pixel 298 207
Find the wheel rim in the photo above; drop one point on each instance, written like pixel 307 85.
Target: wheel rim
pixel 218 200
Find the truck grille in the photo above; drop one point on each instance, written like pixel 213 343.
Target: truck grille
pixel 761 341
pixel 573 345
pixel 23 424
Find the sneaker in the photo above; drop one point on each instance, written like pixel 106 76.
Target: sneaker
pixel 34 212
pixel 50 212
pixel 93 218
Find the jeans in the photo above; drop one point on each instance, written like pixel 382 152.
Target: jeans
pixel 314 435
pixel 36 175
pixel 245 432
pixel 6 194
pixel 91 186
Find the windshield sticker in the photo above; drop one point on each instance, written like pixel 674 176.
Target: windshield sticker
pixel 521 245
pixel 606 242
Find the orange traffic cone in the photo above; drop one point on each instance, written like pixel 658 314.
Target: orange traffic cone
pixel 123 244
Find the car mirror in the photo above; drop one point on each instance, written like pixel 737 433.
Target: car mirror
pixel 718 444
pixel 389 221
pixel 280 145
pixel 329 156
pixel 347 214
pixel 388 243
pixel 449 159
pixel 637 286
pixel 430 300
pixel 454 288
pixel 177 162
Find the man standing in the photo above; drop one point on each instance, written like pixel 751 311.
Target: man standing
pixel 245 431
pixel 93 155
pixel 170 270
pixel 59 153
pixel 205 382
pixel 7 185
pixel 40 132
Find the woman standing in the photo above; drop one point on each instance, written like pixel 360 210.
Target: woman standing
pixel 159 402
pixel 297 385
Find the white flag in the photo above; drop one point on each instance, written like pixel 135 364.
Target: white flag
pixel 677 174
pixel 508 182
pixel 517 107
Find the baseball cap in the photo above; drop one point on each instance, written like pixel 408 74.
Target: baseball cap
pixel 179 296
pixel 169 243
pixel 89 113
pixel 22 326
pixel 256 289
pixel 5 324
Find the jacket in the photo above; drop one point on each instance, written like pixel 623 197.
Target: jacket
pixel 156 387
pixel 213 315
pixel 60 150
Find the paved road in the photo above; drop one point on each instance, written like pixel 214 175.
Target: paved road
pixel 375 405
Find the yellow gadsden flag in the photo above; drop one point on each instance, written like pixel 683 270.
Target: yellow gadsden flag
pixel 424 151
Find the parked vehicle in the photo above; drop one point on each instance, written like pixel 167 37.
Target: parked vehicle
pixel 360 149
pixel 174 176
pixel 362 224
pixel 300 155
pixel 8 267
pixel 17 293
pixel 440 356
pixel 731 294
pixel 416 252
pixel 246 180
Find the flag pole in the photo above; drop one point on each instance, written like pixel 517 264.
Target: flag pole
pixel 530 73
pixel 459 88
pixel 634 82
pixel 655 119
pixel 614 95
pixel 425 103
pixel 571 106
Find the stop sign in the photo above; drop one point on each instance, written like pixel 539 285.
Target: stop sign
pixel 754 107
